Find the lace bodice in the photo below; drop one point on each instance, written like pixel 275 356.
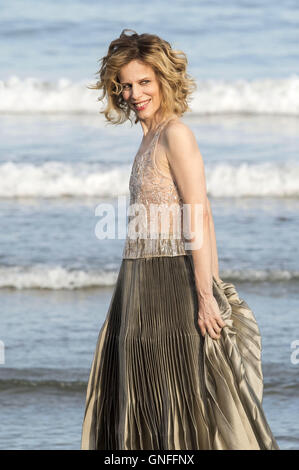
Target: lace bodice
pixel 155 213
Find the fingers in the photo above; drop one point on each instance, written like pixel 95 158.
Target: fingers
pixel 221 322
pixel 214 331
pixel 202 327
pixel 218 323
pixel 209 318
pixel 214 334
pixel 213 326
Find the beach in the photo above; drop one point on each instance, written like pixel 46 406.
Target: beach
pixel 59 160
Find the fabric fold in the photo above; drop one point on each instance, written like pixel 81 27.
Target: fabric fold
pixel 234 378
pixel 156 383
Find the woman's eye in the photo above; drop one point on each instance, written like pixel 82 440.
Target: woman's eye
pixel 127 86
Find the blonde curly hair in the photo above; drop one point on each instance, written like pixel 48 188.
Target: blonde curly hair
pixel 168 64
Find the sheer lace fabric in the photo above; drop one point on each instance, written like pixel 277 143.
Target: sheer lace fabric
pixel 155 214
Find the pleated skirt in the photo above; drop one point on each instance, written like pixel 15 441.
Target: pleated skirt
pixel 156 383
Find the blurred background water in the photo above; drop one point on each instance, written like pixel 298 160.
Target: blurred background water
pixel 59 160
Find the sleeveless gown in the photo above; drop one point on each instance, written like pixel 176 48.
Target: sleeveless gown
pixel 155 382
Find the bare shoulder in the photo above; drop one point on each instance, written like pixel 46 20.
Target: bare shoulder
pixel 178 130
pixel 179 139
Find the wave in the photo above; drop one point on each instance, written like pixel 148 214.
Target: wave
pixel 262 275
pixel 277 388
pixel 37 378
pixel 56 179
pixel 36 385
pixel 54 278
pixel 272 96
pixel 278 380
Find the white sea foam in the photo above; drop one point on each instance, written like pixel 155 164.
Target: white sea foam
pixel 255 275
pixel 55 179
pixel 57 277
pixel 262 96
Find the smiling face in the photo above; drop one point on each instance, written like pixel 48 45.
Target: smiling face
pixel 140 89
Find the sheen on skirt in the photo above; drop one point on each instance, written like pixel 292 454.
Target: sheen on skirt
pixel 156 384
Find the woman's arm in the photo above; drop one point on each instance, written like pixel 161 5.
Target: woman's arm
pixel 215 264
pixel 187 165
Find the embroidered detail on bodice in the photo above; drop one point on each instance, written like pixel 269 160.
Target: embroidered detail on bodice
pixel 155 213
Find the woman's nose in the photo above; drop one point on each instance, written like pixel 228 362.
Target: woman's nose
pixel 135 92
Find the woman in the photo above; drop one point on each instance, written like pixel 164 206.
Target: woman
pixel 177 364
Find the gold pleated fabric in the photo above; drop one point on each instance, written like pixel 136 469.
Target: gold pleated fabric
pixel 156 384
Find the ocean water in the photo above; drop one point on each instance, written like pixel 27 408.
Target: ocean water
pixel 59 160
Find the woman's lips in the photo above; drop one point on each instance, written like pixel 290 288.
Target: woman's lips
pixel 142 105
